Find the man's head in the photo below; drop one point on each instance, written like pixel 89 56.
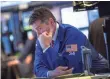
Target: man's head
pixel 42 20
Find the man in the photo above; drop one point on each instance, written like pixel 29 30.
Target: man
pixel 59 46
pixel 29 48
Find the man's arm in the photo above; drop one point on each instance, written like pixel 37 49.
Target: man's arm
pixel 98 61
pixel 28 48
pixel 40 68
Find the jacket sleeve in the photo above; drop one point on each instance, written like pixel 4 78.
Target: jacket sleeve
pixel 28 48
pixel 40 68
pixel 98 61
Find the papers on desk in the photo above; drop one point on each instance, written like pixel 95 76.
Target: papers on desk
pixel 103 74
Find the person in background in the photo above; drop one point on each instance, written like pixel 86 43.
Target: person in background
pixel 29 48
pixel 5 37
pixel 58 48
pixel 6 72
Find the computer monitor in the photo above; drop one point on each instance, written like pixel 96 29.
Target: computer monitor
pixel 93 15
pixel 85 32
pixel 25 19
pixel 77 19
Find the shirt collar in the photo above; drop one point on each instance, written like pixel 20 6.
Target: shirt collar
pixel 56 32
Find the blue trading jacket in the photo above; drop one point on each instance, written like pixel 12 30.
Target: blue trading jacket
pixel 58 56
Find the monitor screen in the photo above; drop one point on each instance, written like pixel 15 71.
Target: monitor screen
pixel 77 19
pixel 85 32
pixel 25 19
pixel 93 15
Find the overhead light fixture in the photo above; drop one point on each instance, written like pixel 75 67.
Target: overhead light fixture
pixel 23 6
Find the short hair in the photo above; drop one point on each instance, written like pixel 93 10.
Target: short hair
pixel 41 13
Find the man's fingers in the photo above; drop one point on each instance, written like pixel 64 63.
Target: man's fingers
pixel 60 71
pixel 50 33
pixel 47 34
pixel 14 62
pixel 69 71
pixel 63 72
pixel 63 68
pixel 10 63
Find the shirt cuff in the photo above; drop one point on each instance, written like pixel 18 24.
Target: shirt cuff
pixel 45 49
pixel 47 74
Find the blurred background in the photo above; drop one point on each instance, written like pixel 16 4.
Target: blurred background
pixel 18 39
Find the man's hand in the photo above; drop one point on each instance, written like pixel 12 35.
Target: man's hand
pixel 14 62
pixel 45 39
pixel 60 71
pixel 28 59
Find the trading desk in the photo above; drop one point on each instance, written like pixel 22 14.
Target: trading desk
pixel 79 76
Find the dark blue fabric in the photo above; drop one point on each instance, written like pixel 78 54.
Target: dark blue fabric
pixel 57 55
pixel 7 45
pixel 98 61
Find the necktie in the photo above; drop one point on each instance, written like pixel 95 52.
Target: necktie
pixel 52 43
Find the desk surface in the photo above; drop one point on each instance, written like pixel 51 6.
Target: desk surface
pixel 78 76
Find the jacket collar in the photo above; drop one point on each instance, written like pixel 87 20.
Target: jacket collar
pixel 61 32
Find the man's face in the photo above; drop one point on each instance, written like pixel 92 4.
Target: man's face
pixel 40 27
